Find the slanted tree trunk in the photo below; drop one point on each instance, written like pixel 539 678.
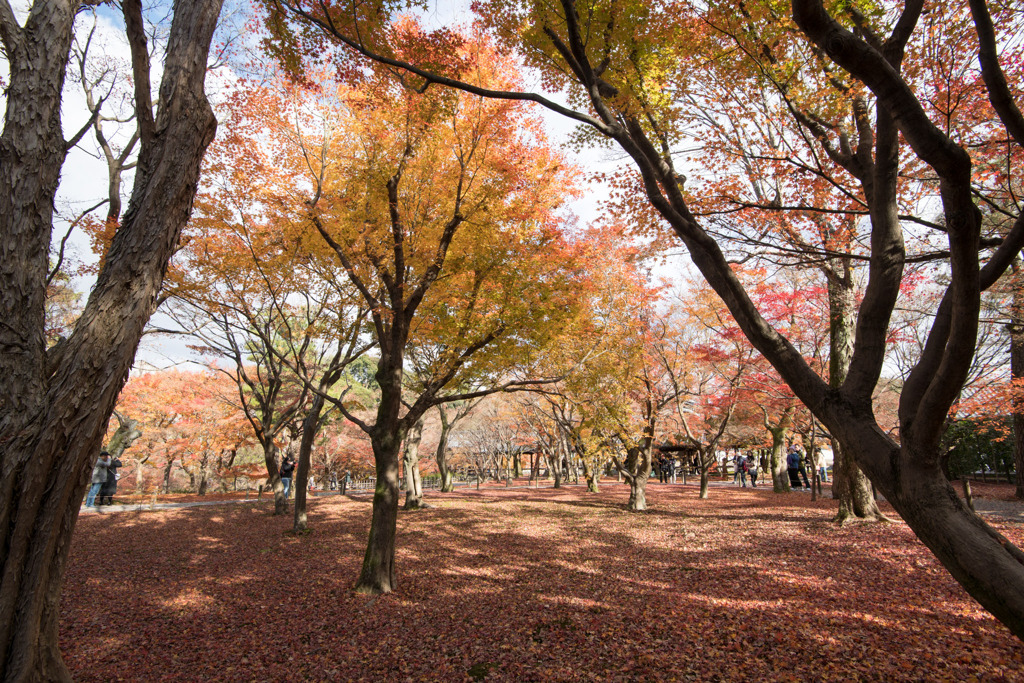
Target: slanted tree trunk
pixel 973 552
pixel 57 402
pixel 124 436
pixel 411 462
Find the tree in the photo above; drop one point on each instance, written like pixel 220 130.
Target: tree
pixel 706 361
pixel 440 209
pixel 57 400
pixel 186 419
pixel 625 87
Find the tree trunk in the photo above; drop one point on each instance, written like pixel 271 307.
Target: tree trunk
pixel 849 485
pixel 124 436
pixel 204 479
pixel 777 464
pixel 378 572
pixel 58 401
pixel 411 462
pixel 555 463
pixel 592 476
pixel 386 436
pixel 637 493
pixel 1016 328
pixel 274 477
pixel 310 429
pixel 852 488
pixel 638 468
pixel 441 457
pixel 978 556
pixel 167 476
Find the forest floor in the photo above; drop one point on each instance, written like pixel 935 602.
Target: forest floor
pixel 526 585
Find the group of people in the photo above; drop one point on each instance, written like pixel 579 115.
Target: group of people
pixel 104 481
pixel 667 469
pixel 796 466
pixel 746 466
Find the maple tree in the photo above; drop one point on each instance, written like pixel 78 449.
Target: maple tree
pixel 254 289
pixel 186 419
pixel 706 361
pixel 440 210
pixel 450 415
pixel 627 90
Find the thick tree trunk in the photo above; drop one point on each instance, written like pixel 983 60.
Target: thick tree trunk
pixel 704 482
pixel 378 572
pixel 852 488
pixel 57 402
pixel 386 436
pixel 411 463
pixel 849 485
pixel 637 469
pixel 637 493
pixel 989 566
pixel 777 464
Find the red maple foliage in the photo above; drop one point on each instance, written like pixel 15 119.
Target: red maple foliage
pixel 526 585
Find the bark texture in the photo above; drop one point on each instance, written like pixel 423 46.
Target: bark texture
pixel 57 402
pixel 411 463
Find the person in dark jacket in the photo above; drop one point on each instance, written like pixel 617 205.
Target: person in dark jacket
pixel 109 487
pixel 287 469
pixel 793 467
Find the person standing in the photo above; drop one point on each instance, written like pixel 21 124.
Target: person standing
pixel 822 467
pixel 287 469
pixel 744 469
pixel 752 469
pixel 803 468
pixel 99 478
pixel 793 467
pixel 109 487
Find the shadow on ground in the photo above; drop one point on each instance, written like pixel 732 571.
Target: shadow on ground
pixel 513 585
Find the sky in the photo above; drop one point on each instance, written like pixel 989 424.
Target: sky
pixel 84 179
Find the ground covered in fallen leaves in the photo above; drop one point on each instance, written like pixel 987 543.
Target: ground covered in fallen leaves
pixel 525 585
